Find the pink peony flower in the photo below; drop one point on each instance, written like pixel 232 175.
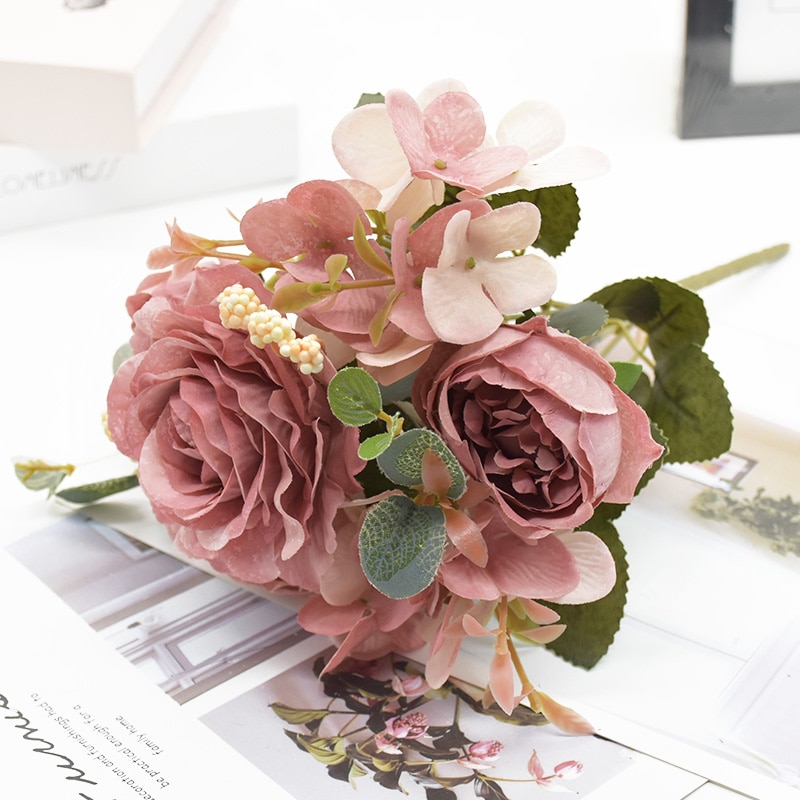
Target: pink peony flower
pixel 238 452
pixel 534 414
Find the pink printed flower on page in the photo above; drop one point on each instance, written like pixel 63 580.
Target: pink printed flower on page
pixel 480 754
pixel 474 285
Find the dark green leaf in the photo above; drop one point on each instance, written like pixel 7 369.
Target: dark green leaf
pixel 91 492
pixel 580 320
pixel 402 461
pixel 671 315
pixel 354 396
pixel 560 214
pixel 487 789
pixel 591 627
pixel 439 793
pixel 298 716
pixel 401 546
pixel 690 404
pixel 627 374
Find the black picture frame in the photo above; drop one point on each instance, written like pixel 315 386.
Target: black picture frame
pixel 710 104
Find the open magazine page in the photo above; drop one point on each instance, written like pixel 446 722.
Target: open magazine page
pixel 150 678
pixel 714 589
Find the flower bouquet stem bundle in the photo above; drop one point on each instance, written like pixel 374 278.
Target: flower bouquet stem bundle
pixel 371 401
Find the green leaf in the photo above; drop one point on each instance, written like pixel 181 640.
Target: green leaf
pixel 298 716
pixel 627 374
pixel 373 446
pixel 37 475
pixel 690 404
pixel 402 461
pixel 370 97
pixel 401 546
pixel 560 214
pixel 354 396
pixel 580 320
pixel 327 751
pixel 591 627
pixel 295 297
pixel 671 315
pixel 91 492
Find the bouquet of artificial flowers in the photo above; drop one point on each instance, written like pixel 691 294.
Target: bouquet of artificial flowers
pixel 371 400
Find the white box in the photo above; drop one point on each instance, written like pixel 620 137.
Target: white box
pixel 97 79
pixel 187 158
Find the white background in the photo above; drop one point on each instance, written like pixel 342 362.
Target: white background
pixel 668 208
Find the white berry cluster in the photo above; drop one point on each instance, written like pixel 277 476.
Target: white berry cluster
pixel 240 309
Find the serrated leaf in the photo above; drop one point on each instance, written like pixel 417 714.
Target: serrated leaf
pixel 401 546
pixel 591 627
pixel 690 404
pixel 354 396
pixel 375 445
pixel 579 320
pixel 560 214
pixel 402 461
pixel 38 475
pixel 627 374
pixel 671 315
pixel 92 492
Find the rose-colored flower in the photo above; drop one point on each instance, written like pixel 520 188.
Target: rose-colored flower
pixel 481 754
pixel 535 414
pixel 386 743
pixel 239 453
pixel 409 726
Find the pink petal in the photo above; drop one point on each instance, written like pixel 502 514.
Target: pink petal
pixel 535 125
pixel 596 566
pixel 512 227
pixel 566 166
pixel 562 717
pixel 465 534
pixel 517 283
pixel 639 448
pixel 454 125
pixel 545 634
pixel 367 148
pixel 277 230
pixel 535 768
pixel 501 681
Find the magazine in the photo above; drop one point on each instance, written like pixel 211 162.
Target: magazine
pixel 222 687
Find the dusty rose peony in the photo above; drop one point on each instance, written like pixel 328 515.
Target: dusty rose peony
pixel 534 414
pixel 238 452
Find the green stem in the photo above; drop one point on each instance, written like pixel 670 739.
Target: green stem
pixel 709 276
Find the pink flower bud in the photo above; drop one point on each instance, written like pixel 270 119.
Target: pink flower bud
pixel 409 726
pixel 568 769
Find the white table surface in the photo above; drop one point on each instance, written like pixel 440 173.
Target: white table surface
pixel 668 207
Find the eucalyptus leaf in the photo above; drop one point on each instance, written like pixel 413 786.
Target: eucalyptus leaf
pixel 402 461
pixel 123 353
pixel 401 546
pixel 591 627
pixel 354 396
pixel 560 214
pixel 579 320
pixel 92 492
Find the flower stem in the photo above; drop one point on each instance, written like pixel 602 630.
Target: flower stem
pixel 709 276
